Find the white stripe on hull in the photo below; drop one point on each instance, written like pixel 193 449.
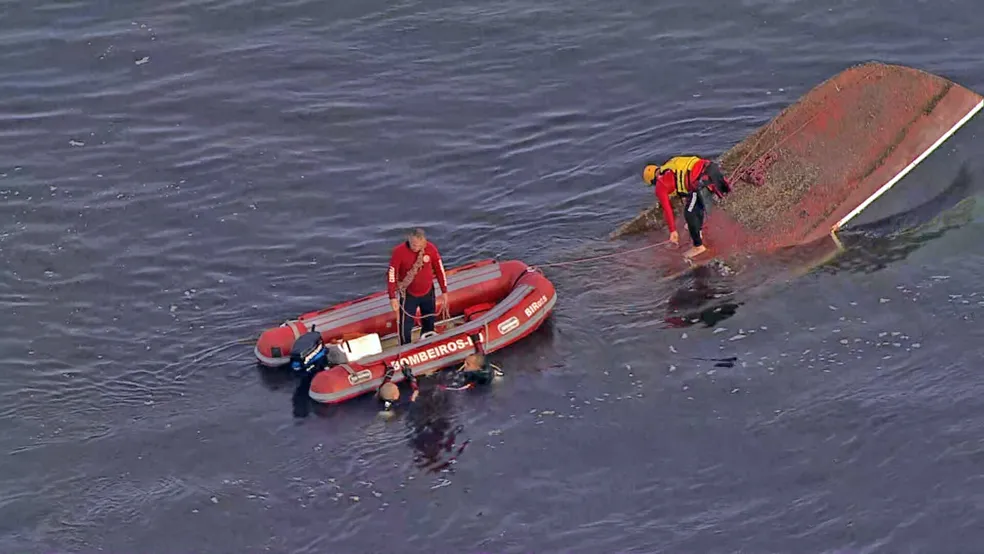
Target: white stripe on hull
pixel 905 171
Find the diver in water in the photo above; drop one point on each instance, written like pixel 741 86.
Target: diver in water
pixel 388 393
pixel 434 437
pixel 475 371
pixel 691 178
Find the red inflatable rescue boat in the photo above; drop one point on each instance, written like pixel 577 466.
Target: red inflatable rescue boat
pixel 497 302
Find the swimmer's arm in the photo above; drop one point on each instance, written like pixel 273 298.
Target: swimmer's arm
pixel 412 379
pixel 667 208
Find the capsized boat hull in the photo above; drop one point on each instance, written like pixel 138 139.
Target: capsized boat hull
pixel 825 158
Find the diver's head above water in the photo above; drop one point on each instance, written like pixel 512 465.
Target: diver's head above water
pixel 474 362
pixel 389 394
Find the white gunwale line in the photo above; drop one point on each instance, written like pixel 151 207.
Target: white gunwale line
pixel 909 167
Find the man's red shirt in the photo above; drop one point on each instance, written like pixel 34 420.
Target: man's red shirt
pixel 403 259
pixel 666 187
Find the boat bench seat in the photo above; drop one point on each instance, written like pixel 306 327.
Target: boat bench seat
pixel 360 347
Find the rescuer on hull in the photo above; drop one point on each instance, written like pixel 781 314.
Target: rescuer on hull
pixel 691 178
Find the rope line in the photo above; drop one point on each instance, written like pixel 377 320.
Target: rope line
pixel 739 168
pixel 602 257
pixel 736 173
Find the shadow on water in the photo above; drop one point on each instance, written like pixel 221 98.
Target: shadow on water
pixel 876 246
pixel 275 378
pixel 961 188
pixel 916 201
pixel 708 296
pixel 282 378
pixel 433 432
pixel 707 299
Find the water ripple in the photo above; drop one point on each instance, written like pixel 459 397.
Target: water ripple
pixel 180 176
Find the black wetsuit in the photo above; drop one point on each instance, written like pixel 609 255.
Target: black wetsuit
pixel 408 376
pixel 697 202
pixel 462 379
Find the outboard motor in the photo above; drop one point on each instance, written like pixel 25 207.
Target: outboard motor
pixel 309 354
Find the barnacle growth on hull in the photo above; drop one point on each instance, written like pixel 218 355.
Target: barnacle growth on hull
pixel 825 155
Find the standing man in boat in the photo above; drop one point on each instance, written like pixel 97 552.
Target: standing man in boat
pixel 691 178
pixel 410 284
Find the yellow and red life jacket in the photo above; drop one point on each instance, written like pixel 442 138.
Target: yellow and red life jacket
pixel 683 171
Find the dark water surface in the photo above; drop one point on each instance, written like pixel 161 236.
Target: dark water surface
pixel 177 176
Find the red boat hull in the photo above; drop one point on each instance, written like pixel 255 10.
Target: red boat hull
pixel 502 302
pixel 822 160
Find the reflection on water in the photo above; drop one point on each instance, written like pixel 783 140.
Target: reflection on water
pixel 873 245
pixel 276 378
pixel 706 300
pixel 301 400
pixel 916 202
pixel 709 294
pixel 877 246
pixel 433 434
pixel 713 293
